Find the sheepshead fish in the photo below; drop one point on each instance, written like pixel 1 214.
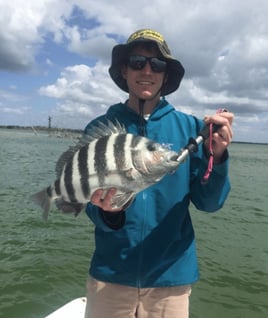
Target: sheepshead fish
pixel 106 157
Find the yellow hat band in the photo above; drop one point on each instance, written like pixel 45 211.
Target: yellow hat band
pixel 146 34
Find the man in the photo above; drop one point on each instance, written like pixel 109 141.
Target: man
pixel 145 257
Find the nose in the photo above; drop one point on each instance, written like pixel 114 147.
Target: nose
pixel 147 68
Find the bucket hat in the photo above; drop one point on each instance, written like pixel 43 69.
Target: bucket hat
pixel 120 52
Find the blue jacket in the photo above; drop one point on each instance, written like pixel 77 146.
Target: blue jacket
pixel 156 246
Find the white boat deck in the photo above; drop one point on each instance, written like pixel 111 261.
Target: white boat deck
pixel 75 308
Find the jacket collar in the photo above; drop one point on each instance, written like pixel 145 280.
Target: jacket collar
pixel 161 109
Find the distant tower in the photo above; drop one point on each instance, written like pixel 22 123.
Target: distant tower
pixel 49 122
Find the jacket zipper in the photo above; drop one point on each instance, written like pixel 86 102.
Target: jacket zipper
pixel 142 232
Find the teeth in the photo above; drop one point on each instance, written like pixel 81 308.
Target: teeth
pixel 145 83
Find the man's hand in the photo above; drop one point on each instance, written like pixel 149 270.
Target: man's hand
pixel 222 138
pixel 103 199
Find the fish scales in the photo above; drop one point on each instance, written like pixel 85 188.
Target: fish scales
pixel 113 170
pixel 76 180
pixel 93 178
pixel 128 150
pixel 122 155
pixel 119 152
pixel 85 159
pixel 63 190
pixel 108 157
pixel 100 162
pixel 68 181
pixel 83 170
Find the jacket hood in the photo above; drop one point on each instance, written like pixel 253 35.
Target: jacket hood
pixel 122 110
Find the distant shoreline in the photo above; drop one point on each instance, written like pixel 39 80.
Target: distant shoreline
pixel 42 128
pixel 80 131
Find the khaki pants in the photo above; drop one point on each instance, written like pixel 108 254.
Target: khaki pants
pixel 105 300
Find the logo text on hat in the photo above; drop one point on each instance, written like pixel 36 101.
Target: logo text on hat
pixel 146 34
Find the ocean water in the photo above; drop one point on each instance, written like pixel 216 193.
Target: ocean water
pixel 44 265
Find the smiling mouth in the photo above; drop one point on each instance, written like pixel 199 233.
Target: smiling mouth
pixel 144 83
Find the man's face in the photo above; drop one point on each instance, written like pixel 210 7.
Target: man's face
pixel 144 83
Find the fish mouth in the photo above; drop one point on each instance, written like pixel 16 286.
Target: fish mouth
pixel 171 160
pixel 173 157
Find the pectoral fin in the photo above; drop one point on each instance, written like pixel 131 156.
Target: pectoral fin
pixel 123 199
pixel 132 174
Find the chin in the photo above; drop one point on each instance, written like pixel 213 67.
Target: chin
pixel 146 95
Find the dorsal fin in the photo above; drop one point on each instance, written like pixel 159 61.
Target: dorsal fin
pixel 98 130
pixel 101 129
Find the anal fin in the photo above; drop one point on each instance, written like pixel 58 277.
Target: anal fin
pixel 69 207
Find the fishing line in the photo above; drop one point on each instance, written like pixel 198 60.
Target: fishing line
pixel 141 109
pixel 141 114
pixel 211 154
pixel 193 143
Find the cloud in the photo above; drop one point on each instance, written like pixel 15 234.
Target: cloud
pixel 17 111
pixel 223 46
pixel 24 27
pixel 12 105
pixel 83 84
pixel 83 91
pixel 10 97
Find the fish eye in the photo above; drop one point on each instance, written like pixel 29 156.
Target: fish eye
pixel 151 146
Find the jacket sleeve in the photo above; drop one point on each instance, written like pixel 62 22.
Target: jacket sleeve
pixel 106 221
pixel 209 196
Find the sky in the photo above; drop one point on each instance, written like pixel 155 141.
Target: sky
pixel 55 55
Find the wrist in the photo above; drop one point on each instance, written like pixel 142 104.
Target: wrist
pixel 222 158
pixel 217 158
pixel 115 220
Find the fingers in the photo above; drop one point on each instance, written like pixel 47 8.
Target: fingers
pixel 223 136
pixel 103 199
pixel 225 120
pixel 220 119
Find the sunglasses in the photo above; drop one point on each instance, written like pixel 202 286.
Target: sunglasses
pixel 137 63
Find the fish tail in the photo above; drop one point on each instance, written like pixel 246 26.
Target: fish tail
pixel 42 199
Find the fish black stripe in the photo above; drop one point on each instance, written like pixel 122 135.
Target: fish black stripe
pixel 134 143
pixel 119 152
pixel 68 181
pixel 49 192
pixel 100 163
pixel 83 170
pixel 57 187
